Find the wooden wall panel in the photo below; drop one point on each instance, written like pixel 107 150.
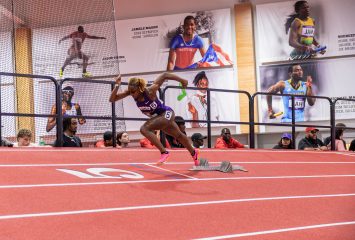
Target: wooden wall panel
pixel 24 86
pixel 245 58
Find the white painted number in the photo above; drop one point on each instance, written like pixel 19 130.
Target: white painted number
pixel 99 173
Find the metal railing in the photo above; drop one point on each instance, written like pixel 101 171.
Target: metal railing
pixel 162 92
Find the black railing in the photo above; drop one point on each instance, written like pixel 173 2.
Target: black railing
pixel 251 98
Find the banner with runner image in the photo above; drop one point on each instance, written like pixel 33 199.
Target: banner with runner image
pixel 160 43
pixel 329 24
pixel 330 78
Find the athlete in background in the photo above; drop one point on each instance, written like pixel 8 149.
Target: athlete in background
pixel 294 86
pixel 184 46
pixel 75 51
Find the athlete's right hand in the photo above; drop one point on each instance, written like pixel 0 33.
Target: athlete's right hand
pixel 118 79
pixel 184 83
pixel 271 114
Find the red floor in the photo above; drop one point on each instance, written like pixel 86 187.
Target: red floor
pixel 121 194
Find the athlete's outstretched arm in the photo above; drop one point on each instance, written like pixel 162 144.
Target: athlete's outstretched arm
pixel 64 38
pixel 94 37
pixel 162 78
pixel 311 101
pixel 278 87
pixel 115 96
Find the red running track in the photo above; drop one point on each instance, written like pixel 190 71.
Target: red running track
pixel 121 194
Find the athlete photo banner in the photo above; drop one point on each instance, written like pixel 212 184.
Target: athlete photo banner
pixel 53 48
pixel 224 106
pixel 332 26
pixel 144 43
pixel 330 78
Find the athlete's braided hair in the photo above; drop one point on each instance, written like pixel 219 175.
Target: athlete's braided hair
pixel 138 82
pixel 292 17
pixel 199 76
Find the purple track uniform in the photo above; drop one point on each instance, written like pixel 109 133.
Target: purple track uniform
pixel 153 108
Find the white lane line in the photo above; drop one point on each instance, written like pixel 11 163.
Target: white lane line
pixel 169 163
pixel 46 214
pixel 169 180
pixel 277 230
pixel 166 170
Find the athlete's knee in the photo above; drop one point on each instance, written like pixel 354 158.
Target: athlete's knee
pixel 144 130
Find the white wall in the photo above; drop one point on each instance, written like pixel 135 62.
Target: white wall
pixel 126 9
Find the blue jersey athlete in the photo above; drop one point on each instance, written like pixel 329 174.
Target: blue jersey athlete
pixel 294 86
pixel 161 117
pixel 183 47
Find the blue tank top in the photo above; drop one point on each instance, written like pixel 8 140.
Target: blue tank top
pixel 150 107
pixel 299 102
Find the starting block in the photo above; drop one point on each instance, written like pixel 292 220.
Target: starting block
pixel 225 167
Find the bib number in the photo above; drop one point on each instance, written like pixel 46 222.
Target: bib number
pixel 168 115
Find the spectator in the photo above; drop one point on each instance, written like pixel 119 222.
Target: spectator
pixel 352 146
pixel 145 143
pixel 339 130
pixel 68 108
pixel 122 139
pixel 197 140
pixel 70 126
pixel 107 141
pixel 226 140
pixel 5 143
pixel 24 137
pixel 311 142
pixel 340 144
pixel 174 143
pixel 285 142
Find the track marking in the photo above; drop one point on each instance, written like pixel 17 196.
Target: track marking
pixel 278 230
pixel 167 180
pixel 169 163
pixel 99 210
pixel 176 173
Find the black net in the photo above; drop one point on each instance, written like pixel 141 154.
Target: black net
pixel 59 39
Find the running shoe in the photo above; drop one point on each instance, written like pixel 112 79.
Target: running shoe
pixel 61 72
pixel 196 157
pixel 86 74
pixel 163 158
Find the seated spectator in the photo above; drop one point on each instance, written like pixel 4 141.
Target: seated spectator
pixel 226 140
pixel 311 142
pixel 70 126
pixel 145 143
pixel 174 143
pixel 285 142
pixel 352 146
pixel 122 139
pixel 6 143
pixel 197 140
pixel 107 141
pixel 339 130
pixel 24 137
pixel 340 144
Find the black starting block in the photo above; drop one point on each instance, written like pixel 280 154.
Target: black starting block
pixel 225 167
